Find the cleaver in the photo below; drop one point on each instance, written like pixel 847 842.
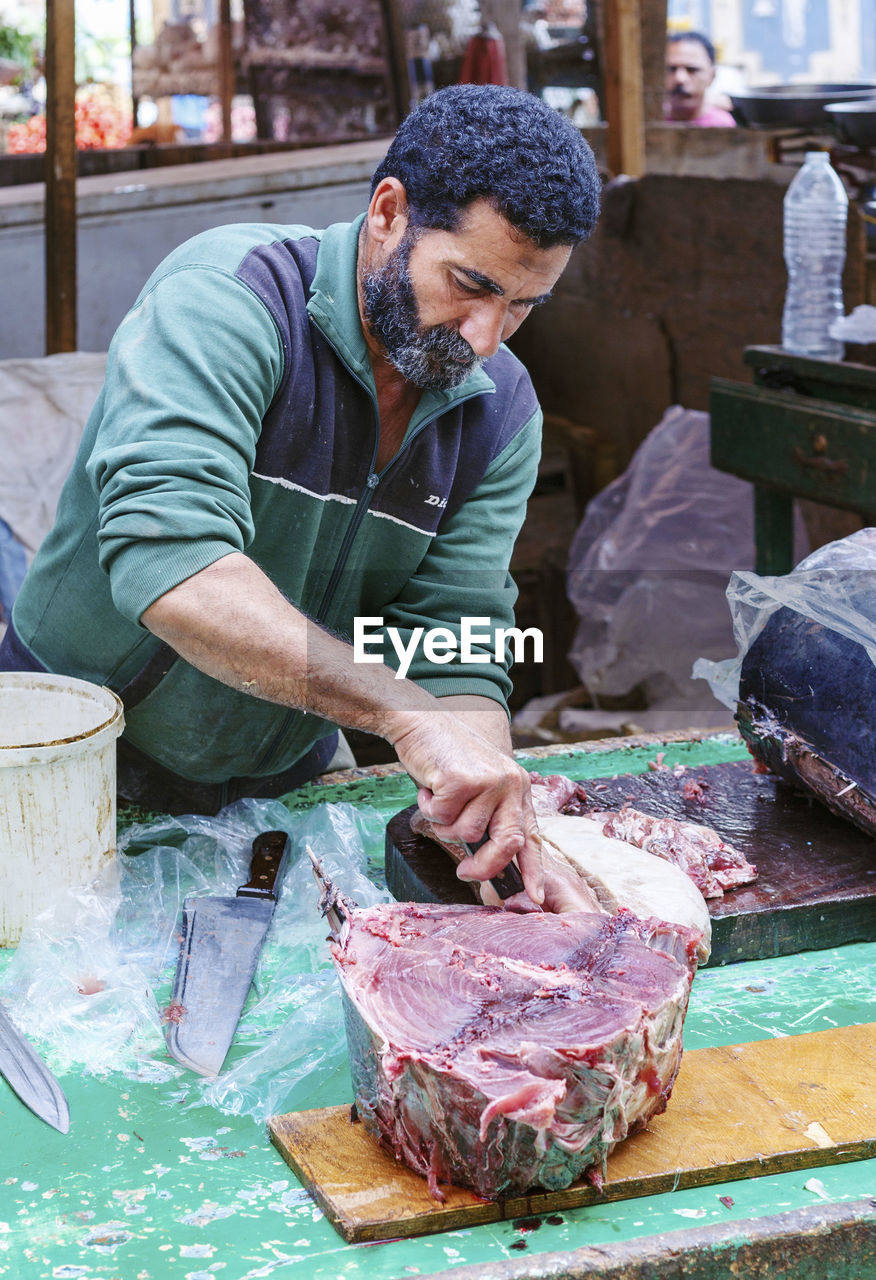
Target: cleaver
pixel 218 954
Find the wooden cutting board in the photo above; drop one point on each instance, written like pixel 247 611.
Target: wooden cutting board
pixel 816 883
pixel 740 1111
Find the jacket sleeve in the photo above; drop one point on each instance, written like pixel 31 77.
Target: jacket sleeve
pixel 465 576
pixel 190 374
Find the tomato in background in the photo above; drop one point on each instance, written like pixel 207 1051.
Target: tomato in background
pixel 100 124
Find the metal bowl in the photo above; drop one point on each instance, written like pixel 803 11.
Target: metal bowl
pixel 855 122
pixel 784 106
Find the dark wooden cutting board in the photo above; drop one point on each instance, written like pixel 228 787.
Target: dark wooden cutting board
pixel 816 883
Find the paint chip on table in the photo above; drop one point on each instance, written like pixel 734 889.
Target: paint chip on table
pixel 208 1213
pixel 819 1135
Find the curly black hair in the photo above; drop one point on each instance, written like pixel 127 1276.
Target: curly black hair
pixel 503 145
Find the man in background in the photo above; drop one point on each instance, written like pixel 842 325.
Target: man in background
pixel 690 70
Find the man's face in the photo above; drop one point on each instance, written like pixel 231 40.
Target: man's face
pixel 689 72
pixel 436 358
pixel 440 302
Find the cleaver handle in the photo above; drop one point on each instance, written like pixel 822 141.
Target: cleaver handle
pixel 268 852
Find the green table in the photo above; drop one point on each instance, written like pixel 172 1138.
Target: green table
pixel 806 428
pixel 142 1190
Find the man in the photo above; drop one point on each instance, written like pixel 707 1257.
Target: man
pixel 690 69
pixel 303 430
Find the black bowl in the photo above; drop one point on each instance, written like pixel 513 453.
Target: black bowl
pixel 855 122
pixel 785 106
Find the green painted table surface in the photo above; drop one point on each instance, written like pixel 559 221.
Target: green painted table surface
pixel 140 1189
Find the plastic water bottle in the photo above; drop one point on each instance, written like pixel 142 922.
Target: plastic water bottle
pixel 816 208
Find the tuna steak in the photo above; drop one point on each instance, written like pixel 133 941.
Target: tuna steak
pixel 504 1051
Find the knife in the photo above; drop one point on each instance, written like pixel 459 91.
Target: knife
pixel 219 951
pixel 509 880
pixel 29 1076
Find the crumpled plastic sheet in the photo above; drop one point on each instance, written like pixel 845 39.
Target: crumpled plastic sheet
pixel 93 972
pixel 649 564
pixel 834 586
pixel 44 405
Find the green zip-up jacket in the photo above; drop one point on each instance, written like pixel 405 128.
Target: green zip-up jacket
pixel 239 414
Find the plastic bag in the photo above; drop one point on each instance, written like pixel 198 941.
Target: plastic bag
pixel 93 972
pixel 44 405
pixel 835 586
pixel 648 570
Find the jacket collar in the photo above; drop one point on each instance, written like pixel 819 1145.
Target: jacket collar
pixel 334 308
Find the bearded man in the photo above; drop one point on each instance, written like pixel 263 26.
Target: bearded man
pixel 302 431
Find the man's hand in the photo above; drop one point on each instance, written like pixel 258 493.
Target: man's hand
pixel 470 787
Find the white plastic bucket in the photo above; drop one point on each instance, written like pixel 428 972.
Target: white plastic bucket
pixel 57 790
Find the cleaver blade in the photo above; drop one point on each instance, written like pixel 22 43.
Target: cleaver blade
pixel 219 950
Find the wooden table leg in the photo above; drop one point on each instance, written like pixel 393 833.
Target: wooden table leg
pixel 61 164
pixel 773 531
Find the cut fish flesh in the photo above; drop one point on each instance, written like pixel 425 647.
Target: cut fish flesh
pixel 505 1051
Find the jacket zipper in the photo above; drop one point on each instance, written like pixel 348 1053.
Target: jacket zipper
pixel 362 505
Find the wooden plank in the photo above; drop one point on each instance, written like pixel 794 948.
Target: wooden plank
pixel 60 171
pixel 398 82
pixel 839 380
pixel 623 88
pixel 816 449
pixel 816 883
pixel 132 29
pixel 738 1111
pixel 654 13
pixel 226 68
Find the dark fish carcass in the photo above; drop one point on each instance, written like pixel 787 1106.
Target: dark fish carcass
pixel 807 687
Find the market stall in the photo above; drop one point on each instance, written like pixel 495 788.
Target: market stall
pixel 268 441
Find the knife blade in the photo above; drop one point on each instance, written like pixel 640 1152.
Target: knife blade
pixel 219 951
pixel 30 1078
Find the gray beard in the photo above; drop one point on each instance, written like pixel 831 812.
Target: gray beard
pixel 435 359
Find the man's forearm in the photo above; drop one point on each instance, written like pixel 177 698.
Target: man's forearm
pixel 486 716
pixel 231 622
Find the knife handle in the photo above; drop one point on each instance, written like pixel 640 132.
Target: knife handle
pixel 268 851
pixel 509 880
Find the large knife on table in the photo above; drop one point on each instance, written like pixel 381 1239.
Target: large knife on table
pixel 219 951
pixel 29 1076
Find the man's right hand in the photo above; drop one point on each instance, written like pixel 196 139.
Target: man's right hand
pixel 469 787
